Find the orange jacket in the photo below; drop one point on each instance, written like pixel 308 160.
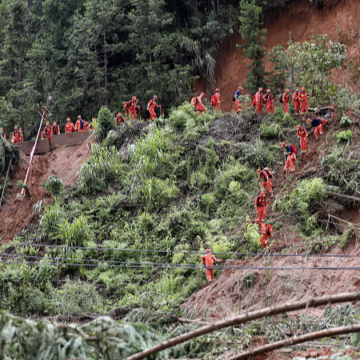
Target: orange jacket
pixel 285 98
pixel 260 201
pixel 258 97
pixel 46 132
pixel 78 125
pixel 119 119
pixel 266 229
pixel 69 127
pixel 131 106
pixel 304 96
pixel 268 98
pixel 302 133
pixel 296 96
pixel 15 137
pixel 55 130
pixel 209 259
pixel 217 97
pixel 152 104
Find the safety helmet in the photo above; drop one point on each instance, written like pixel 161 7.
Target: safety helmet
pixel 258 171
pixel 134 97
pixel 262 193
pixel 208 250
pixel 118 115
pixel 47 123
pixel 287 90
pixel 283 145
pixel 155 97
pixel 309 120
pixel 202 94
pixel 268 90
pixel 260 89
pixel 217 90
pixel 298 127
pixel 303 88
pixel 297 90
pixel 240 88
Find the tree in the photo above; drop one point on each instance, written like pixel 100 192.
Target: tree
pixel 253 36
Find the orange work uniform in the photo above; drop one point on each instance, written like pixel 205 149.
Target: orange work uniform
pixel 119 119
pixel 285 99
pixel 131 106
pixel 46 132
pixel 260 205
pixel 238 103
pixel 217 99
pixel 199 106
pixel 81 125
pixel 304 98
pixel 152 105
pixel 296 102
pixel 303 135
pixel 258 101
pixel 55 130
pixel 269 103
pixel 266 232
pixel 208 261
pixel 291 158
pixel 267 179
pixel 69 127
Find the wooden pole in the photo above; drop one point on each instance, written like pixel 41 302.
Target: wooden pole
pixel 258 314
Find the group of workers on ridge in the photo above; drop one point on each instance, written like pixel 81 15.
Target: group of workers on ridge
pixel 16 136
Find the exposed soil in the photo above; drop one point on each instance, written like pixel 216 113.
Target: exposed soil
pixel 16 213
pixel 222 298
pixel 341 22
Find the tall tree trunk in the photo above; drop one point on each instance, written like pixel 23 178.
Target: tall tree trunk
pixel 105 69
pixel 218 7
pixel 213 4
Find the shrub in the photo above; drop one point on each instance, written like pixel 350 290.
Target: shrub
pixel 345 121
pixel 54 185
pixel 347 236
pixel 344 136
pixel 110 138
pixel 51 219
pixel 253 237
pixel 105 121
pixel 209 201
pixel 271 130
pixel 248 281
pixel 287 119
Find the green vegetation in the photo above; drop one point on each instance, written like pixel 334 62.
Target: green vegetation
pixel 344 136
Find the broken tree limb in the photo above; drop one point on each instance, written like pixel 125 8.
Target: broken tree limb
pixel 344 196
pixel 297 340
pixel 348 184
pixel 253 315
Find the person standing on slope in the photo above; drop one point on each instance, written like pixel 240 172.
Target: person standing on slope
pixel 269 99
pixel 69 126
pixel 318 124
pixel 259 101
pixel 55 129
pixel 47 131
pixel 197 102
pixel 260 206
pixel 285 100
pixel 291 157
pixel 80 125
pixel 131 106
pixel 266 232
pixel 237 98
pixel 15 135
pixel 119 119
pixel 266 176
pixel 215 100
pixel 303 135
pixel 304 98
pixel 296 101
pixel 208 262
pixel 151 107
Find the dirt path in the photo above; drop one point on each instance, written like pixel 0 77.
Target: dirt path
pixel 63 162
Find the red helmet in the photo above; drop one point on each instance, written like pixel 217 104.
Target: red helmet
pixel 298 127
pixel 287 90
pixel 208 250
pixel 297 90
pixel 262 193
pixel 155 97
pixel 240 88
pixel 283 145
pixel 309 120
pixel 134 97
pixel 217 90
pixel 303 88
pixel 202 94
pixel 268 90
pixel 258 171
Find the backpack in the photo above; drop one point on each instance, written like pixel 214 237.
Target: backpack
pixel 269 173
pixel 281 98
pixel 213 101
pixel 233 97
pixel 269 230
pixel 293 148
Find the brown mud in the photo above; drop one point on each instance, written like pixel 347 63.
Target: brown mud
pixel 16 213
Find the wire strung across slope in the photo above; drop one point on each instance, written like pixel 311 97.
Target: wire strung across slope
pixel 181 251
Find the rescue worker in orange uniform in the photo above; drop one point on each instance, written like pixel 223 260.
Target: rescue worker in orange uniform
pixel 126 110
pixel 285 99
pixel 291 157
pixel 151 107
pixel 318 124
pixel 119 119
pixel 47 131
pixel 208 261
pixel 304 98
pixel 80 125
pixel 15 136
pixel 69 126
pixel 238 103
pixel 197 102
pixel 2 134
pixel 217 96
pixel 266 176
pixel 21 135
pixel 269 100
pixel 260 206
pixel 132 105
pixel 296 101
pixel 259 101
pixel 266 232
pixel 303 135
pixel 55 130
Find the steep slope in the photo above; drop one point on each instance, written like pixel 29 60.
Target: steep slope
pixel 341 22
pixel 63 162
